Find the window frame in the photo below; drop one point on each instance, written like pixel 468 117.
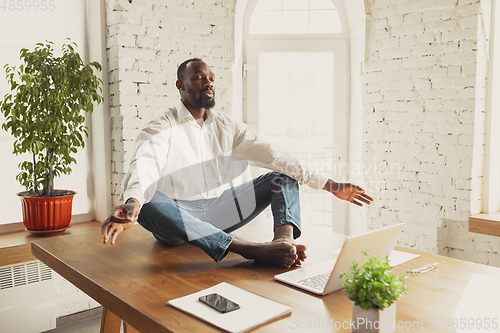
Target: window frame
pixel 490 201
pixel 488 220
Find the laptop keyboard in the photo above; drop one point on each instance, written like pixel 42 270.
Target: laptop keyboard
pixel 317 282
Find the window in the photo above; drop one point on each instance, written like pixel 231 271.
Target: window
pixel 491 185
pixel 295 17
pixel 296 92
pixel 485 217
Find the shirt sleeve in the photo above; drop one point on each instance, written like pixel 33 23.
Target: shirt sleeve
pixel 261 153
pixel 147 163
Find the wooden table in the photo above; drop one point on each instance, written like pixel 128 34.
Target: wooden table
pixel 135 279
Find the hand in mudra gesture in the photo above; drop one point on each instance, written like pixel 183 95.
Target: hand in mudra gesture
pixel 348 192
pixel 121 218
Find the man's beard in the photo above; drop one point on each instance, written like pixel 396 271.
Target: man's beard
pixel 206 103
pixel 202 102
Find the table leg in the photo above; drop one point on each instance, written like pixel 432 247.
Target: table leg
pixel 110 323
pixel 129 329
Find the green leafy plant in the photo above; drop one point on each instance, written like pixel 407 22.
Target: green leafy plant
pixel 43 112
pixel 372 285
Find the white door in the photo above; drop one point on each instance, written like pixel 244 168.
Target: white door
pixel 296 96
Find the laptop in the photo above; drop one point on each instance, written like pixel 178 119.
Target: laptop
pixel 324 278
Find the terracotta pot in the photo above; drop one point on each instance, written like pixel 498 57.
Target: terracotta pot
pixel 47 215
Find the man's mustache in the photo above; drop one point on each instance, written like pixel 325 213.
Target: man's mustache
pixel 209 89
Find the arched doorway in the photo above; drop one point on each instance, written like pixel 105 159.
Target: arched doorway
pixel 296 91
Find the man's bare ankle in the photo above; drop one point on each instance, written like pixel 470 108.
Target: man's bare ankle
pixel 284 231
pixel 239 247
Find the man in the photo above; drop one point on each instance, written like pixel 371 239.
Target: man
pixel 179 185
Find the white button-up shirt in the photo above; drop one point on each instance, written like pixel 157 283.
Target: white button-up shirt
pixel 186 161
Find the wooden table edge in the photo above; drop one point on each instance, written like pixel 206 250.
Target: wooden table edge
pixel 148 324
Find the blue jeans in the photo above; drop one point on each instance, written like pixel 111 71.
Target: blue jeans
pixel 207 223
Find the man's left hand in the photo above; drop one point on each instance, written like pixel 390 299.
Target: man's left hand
pixel 349 192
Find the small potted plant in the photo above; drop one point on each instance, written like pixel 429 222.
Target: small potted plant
pixel 44 113
pixel 374 289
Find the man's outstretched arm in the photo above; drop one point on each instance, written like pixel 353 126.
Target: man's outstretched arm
pixel 121 218
pixel 349 192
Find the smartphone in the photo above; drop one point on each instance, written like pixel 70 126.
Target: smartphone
pixel 219 303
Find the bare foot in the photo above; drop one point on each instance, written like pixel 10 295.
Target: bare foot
pixel 284 232
pixel 301 254
pixel 281 252
pixel 299 248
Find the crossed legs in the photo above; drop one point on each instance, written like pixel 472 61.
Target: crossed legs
pixel 207 223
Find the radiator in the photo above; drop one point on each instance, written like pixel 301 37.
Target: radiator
pixel 27 296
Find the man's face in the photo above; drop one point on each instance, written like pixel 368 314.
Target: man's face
pixel 199 85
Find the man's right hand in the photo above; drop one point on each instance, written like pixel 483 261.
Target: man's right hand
pixel 121 218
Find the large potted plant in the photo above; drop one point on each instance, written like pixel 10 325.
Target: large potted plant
pixel 374 289
pixel 45 113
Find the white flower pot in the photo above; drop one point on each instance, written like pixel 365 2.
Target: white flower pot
pixel 374 320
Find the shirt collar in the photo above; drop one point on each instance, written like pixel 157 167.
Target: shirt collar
pixel 183 113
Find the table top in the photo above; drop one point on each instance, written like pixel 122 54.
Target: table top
pixel 137 277
pixel 16 247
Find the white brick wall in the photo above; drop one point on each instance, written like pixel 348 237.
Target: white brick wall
pixel 423 102
pixel 146 41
